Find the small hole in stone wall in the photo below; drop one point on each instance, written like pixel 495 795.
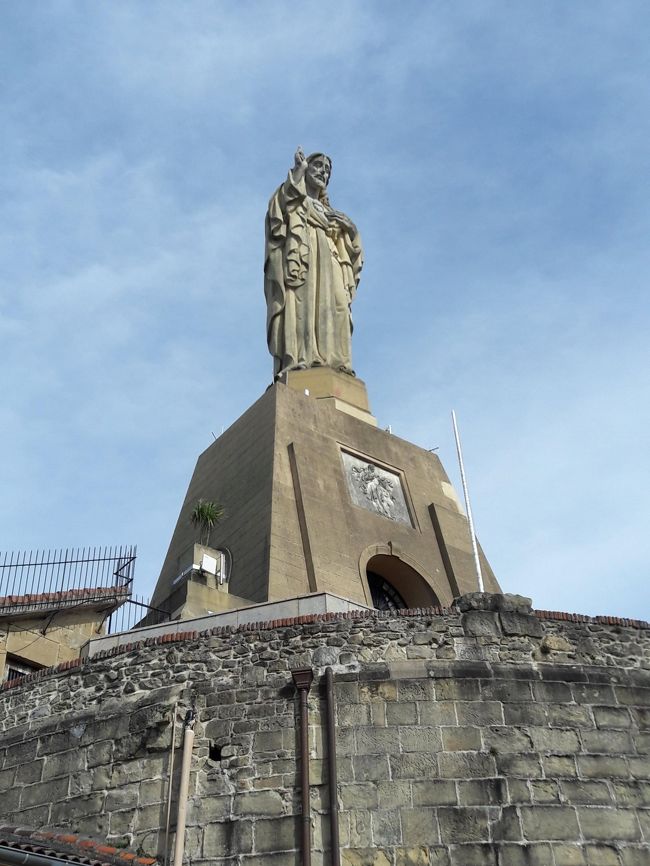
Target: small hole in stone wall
pixel 215 752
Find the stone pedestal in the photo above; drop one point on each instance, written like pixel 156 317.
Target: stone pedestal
pixel 317 498
pixel 346 393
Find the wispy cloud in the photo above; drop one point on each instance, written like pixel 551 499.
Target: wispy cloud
pixel 494 160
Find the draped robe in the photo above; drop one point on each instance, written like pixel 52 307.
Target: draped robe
pixel 311 273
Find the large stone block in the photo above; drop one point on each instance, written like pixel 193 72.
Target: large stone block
pixel 482 792
pixel 231 838
pixel 394 793
pixel 466 765
pixel 474 855
pixel 607 742
pixel 463 824
pixel 361 796
pixel 507 826
pixel 514 623
pixel 483 712
pixel 370 768
pixel 420 826
pixel 602 767
pixel 377 741
pixel 411 856
pixel 555 741
pixel 437 712
pixel 386 828
pixel 549 823
pixel 612 718
pixel 420 739
pixel 505 739
pixel 258 803
pixel 365 857
pixel 414 766
pixel 608 824
pixel 526 855
pixel 603 855
pixel 44 792
pixel 457 739
pixel 434 792
pixel 569 855
pixel 401 713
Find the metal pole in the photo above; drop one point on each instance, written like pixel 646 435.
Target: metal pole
pixel 331 767
pixel 183 788
pixel 170 785
pixel 302 680
pixel 477 562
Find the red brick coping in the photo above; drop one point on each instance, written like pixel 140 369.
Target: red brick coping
pixel 9 602
pixel 333 616
pixel 69 847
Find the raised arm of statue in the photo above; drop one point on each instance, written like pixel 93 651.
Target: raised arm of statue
pixel 299 164
pixel 312 266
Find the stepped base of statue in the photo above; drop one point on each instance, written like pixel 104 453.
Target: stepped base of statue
pixel 346 393
pixel 319 500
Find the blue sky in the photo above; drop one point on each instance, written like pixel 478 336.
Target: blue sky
pixel 495 158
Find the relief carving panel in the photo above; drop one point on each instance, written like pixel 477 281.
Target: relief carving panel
pixel 376 489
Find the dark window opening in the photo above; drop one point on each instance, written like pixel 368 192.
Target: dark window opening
pixel 17 667
pixel 214 752
pixel 384 595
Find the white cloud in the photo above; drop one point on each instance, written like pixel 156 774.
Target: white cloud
pixel 493 160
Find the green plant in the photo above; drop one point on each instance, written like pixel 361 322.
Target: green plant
pixel 205 516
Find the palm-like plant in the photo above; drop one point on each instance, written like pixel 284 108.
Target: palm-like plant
pixel 205 516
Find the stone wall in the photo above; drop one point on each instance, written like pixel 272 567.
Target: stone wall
pixel 480 736
pixel 21 635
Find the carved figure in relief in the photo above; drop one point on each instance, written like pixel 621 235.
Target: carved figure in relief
pixel 311 271
pixel 377 489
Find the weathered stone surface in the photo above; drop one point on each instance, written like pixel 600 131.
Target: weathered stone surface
pixel 494 601
pixel 365 857
pixel 608 824
pixel 453 761
pixel 420 826
pixel 549 822
pixel 514 623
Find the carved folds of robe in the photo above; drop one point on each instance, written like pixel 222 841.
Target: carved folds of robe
pixel 311 274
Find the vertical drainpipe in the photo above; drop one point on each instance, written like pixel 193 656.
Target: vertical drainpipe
pixel 188 742
pixel 302 680
pixel 331 769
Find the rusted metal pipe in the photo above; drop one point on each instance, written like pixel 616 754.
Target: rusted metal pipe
pixel 302 680
pixel 331 768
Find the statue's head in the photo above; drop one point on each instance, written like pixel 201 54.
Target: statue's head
pixel 319 170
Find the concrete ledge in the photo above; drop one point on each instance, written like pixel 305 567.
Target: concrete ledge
pixel 306 605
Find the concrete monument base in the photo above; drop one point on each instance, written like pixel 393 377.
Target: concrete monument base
pixel 319 500
pixel 346 393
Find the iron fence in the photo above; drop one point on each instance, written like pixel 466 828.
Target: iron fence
pixel 38 572
pixel 134 613
pixel 47 581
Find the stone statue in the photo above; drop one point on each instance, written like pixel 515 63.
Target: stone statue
pixel 311 271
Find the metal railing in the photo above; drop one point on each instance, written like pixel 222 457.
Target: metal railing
pixel 40 577
pixel 136 612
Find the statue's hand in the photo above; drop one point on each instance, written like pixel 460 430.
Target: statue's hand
pixel 343 221
pixel 299 163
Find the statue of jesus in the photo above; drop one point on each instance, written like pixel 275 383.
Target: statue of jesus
pixel 311 272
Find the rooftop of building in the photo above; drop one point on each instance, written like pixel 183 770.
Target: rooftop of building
pixel 65 847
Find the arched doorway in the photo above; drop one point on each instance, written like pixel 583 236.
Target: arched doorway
pixel 394 584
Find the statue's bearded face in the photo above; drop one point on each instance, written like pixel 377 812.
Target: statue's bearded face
pixel 318 171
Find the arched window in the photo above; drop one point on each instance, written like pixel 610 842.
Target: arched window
pixel 384 595
pixel 394 584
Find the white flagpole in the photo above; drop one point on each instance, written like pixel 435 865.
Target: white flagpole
pixel 477 562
